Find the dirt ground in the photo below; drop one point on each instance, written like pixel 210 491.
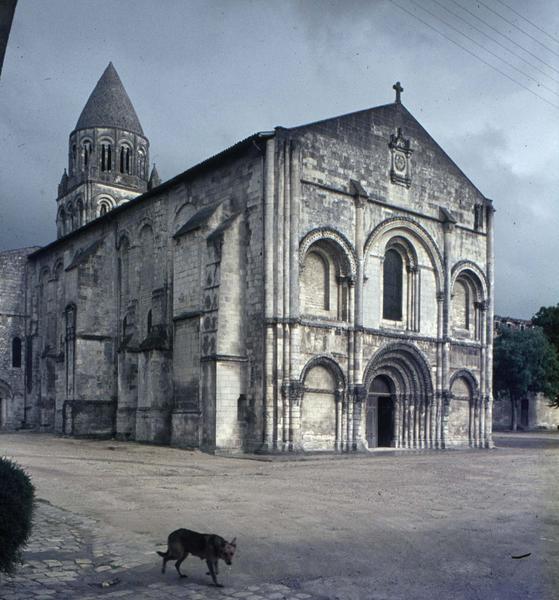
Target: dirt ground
pixel 391 525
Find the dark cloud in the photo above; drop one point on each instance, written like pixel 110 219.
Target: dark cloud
pixel 203 75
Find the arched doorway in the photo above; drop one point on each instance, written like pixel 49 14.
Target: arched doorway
pixel 318 410
pixel 379 419
pixel 398 381
pixel 460 413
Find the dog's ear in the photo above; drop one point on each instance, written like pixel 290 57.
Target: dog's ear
pixel 233 542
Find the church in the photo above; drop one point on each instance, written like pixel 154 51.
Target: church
pixel 325 287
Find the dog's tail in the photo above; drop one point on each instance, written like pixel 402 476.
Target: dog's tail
pixel 163 554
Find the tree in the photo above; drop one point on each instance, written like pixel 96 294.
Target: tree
pixel 524 361
pixel 548 319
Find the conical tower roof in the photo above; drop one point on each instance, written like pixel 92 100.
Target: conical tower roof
pixel 109 105
pixel 154 179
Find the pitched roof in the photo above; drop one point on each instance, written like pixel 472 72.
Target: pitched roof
pixel 109 105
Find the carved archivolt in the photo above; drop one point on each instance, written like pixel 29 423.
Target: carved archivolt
pixel 345 249
pixel 471 270
pixel 469 377
pixel 405 365
pixel 326 361
pixel 403 225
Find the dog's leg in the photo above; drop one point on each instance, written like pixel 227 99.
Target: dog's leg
pixel 216 562
pixel 210 564
pixel 178 565
pixel 165 559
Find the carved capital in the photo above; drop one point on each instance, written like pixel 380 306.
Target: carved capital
pixel 296 390
pixel 359 393
pixel 482 305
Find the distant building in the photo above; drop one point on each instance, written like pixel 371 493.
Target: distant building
pixel 500 323
pixel 535 412
pixel 323 287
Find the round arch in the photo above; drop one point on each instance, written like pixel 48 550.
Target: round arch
pixel 410 230
pixel 469 377
pixel 327 361
pixel 411 364
pixel 460 409
pixel 404 418
pixel 322 383
pixel 337 239
pixel 474 272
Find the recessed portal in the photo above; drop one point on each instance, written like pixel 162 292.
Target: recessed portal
pixel 379 424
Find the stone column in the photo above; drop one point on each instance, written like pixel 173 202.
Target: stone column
pixel 447 303
pixel 350 372
pixel 296 390
pixel 359 398
pixel 268 242
pixel 294 312
pixel 489 327
pixel 339 410
pixel 285 237
pixel 358 316
pixel 396 401
pixel 412 305
pixel 445 405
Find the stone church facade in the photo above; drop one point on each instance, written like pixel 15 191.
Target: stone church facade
pixel 327 287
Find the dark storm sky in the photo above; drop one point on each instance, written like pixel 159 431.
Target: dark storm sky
pixel 204 74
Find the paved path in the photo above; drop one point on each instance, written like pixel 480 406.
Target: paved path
pixel 68 558
pixel 390 526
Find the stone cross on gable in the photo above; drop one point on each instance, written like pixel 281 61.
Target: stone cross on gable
pixel 399 89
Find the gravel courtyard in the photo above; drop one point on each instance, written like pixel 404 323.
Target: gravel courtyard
pixel 392 525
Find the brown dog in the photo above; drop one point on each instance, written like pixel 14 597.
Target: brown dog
pixel 206 546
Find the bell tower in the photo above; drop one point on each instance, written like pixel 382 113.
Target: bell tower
pixel 108 157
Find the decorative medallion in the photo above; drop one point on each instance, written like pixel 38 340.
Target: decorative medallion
pixel 400 152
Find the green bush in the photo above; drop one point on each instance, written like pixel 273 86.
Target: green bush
pixel 16 511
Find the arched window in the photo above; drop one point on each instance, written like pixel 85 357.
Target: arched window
pixel 104 206
pixel 392 285
pixel 141 164
pixel 124 159
pixel 147 266
pixel 124 325
pixel 86 153
pixel 106 157
pixel 325 280
pixel 316 281
pixel 461 305
pixel 149 323
pixel 16 353
pixel 79 212
pixel 69 217
pixel 123 262
pixel 62 221
pixel 467 305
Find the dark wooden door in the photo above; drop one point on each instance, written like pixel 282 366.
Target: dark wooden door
pixel 385 421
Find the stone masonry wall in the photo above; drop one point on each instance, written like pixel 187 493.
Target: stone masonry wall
pixel 13 316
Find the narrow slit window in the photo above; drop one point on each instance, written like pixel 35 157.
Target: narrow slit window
pixel 16 353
